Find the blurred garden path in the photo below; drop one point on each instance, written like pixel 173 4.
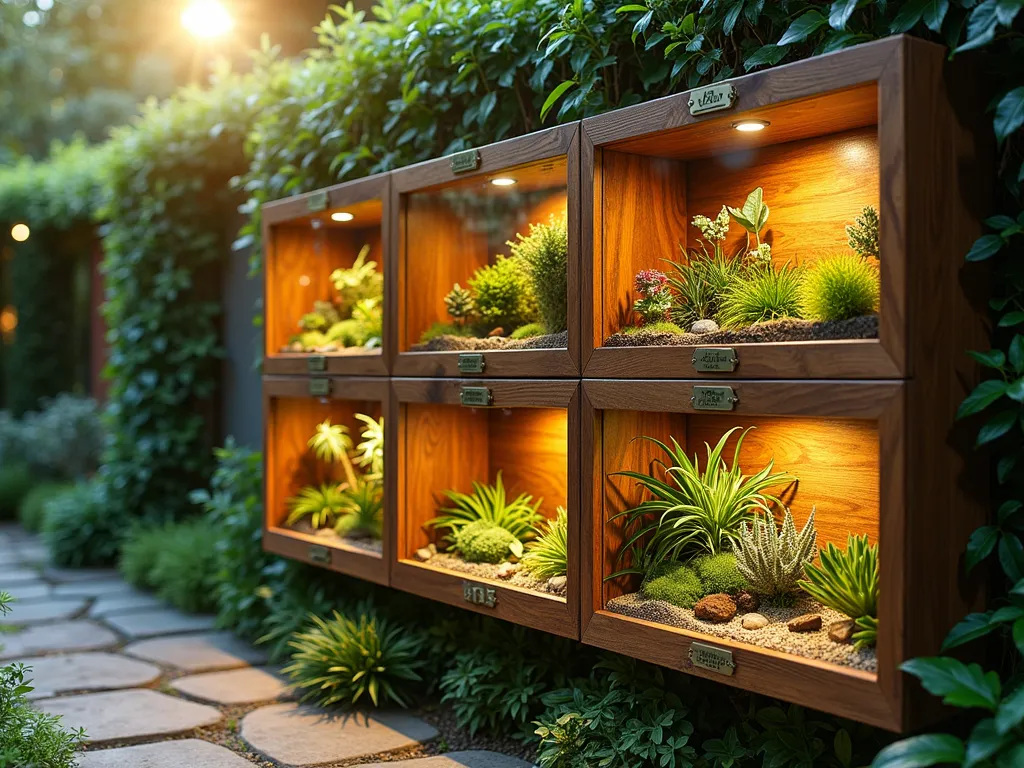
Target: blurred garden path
pixel 157 688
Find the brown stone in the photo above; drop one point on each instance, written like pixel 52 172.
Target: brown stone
pixel 842 631
pixel 809 622
pixel 747 602
pixel 499 331
pixel 717 609
pixel 423 554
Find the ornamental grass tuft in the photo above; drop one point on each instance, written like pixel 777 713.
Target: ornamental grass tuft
pixel 840 287
pixel 763 294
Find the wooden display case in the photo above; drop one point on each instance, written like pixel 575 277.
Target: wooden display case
pixel 306 238
pixel 528 433
pixel 293 407
pixel 454 215
pixel 873 125
pixel 870 456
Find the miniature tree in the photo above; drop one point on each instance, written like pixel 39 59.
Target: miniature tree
pixel 863 234
pixel 459 303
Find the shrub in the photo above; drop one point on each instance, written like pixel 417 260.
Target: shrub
pixel 16 480
pixel 674 583
pixel 460 305
pixel 839 287
pixel 718 573
pixel 847 581
pixel 139 553
pixel 343 661
pixel 488 503
pixel 545 251
pixel 863 234
pixel 177 560
pixel 81 529
pixel 321 505
pixel 549 555
pixel 655 300
pixel 762 294
pixel 504 295
pixel 528 331
pixel 64 439
pixel 773 560
pixel 30 512
pixel 484 542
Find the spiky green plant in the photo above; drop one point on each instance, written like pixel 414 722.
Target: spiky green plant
pixel 490 503
pixel 362 510
pixel 752 216
pixel 773 560
pixel 847 581
pixel 698 285
pixel 368 317
pixel 358 282
pixel 863 234
pixel 545 251
pixel 371 449
pixel 761 295
pixel 332 443
pixel 691 511
pixel 321 505
pixel 839 287
pixel 343 661
pixel 549 555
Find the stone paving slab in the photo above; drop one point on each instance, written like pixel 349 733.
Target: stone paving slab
pixel 27 590
pixel 296 735
pixel 35 554
pixel 108 605
pixel 188 753
pixel 203 652
pixel 132 714
pixel 97 588
pixel 55 675
pixel 68 575
pixel 248 685
pixel 38 611
pixel 160 621
pixel 474 759
pixel 76 635
pixel 11 575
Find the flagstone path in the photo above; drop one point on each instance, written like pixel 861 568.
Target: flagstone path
pixel 157 688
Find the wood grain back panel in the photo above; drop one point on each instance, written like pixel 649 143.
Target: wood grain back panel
pixel 530 447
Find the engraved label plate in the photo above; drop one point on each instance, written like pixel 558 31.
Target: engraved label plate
pixel 475 396
pixel 465 161
pixel 713 398
pixel 709 657
pixel 317 363
pixel 317 201
pixel 712 98
pixel 471 362
pixel 714 359
pixel 479 594
pixel 319 387
pixel 319 554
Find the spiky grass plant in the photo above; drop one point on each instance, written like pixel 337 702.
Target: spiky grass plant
pixel 549 555
pixel 839 287
pixel 760 295
pixel 332 443
pixel 490 503
pixel 371 449
pixel 358 282
pixel 321 505
pixel 362 510
pixel 773 560
pixel 691 511
pixel 698 285
pixel 343 661
pixel 847 581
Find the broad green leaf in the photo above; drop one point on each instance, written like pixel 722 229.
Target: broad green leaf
pixel 1007 10
pixel 1007 510
pixel 997 426
pixel 1018 634
pixel 554 96
pixel 984 742
pixel 921 752
pixel 935 13
pixel 980 545
pixel 843 747
pixel 766 54
pixel 982 397
pixel 840 13
pixel 1011 710
pixel 1009 113
pixel 1011 556
pixel 1016 390
pixel 959 685
pixel 910 13
pixel 969 628
pixel 1011 319
pixel 632 8
pixel 804 26
pixel 1017 353
pixel 985 247
pixel 981 25
pixel 994 358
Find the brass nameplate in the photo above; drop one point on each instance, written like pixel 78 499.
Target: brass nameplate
pixel 317 201
pixel 316 363
pixel 479 594
pixel 475 396
pixel 713 398
pixel 319 554
pixel 714 359
pixel 715 659
pixel 712 98
pixel 319 387
pixel 471 362
pixel 465 161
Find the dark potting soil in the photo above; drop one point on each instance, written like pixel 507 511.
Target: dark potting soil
pixel 473 344
pixel 865 327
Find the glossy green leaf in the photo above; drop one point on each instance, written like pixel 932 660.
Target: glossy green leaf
pixel 983 396
pixel 982 542
pixel 959 684
pixel 804 26
pixel 1010 113
pixel 921 752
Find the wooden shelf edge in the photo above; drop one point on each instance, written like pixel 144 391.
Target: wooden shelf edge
pixel 555 363
pixel 297 364
pixel 347 560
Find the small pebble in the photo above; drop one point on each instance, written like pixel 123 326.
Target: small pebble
pixel 842 631
pixel 506 570
pixel 704 326
pixel 747 602
pixel 809 622
pixel 557 583
pixel 423 554
pixel 754 621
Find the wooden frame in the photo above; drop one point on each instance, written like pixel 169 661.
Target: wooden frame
pixel 547 612
pixel 924 517
pixel 295 274
pixel 558 143
pixel 928 164
pixel 280 437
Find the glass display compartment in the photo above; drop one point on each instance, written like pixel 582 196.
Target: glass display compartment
pixel 487 497
pixel 324 473
pixel 324 267
pixel 487 260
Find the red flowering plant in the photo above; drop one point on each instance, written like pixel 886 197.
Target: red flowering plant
pixel 655 299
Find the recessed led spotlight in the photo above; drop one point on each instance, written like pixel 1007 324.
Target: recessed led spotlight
pixel 503 181
pixel 20 232
pixel 750 126
pixel 342 216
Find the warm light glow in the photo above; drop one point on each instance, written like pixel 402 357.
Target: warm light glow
pixel 304 280
pixel 8 320
pixel 342 216
pixel 206 19
pixel 20 232
pixel 503 181
pixel 750 126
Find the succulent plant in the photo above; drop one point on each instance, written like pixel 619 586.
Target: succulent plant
pixel 773 560
pixel 847 581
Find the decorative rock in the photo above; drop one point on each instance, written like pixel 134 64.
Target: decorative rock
pixel 133 714
pixel 61 636
pixel 809 622
pixel 54 675
pixel 557 583
pixel 704 326
pixel 717 609
pixel 165 754
pixel 296 735
pixel 423 554
pixel 499 331
pixel 198 653
pixel 37 612
pixel 325 533
pixel 163 621
pixel 754 621
pixel 842 631
pixel 432 547
pixel 507 570
pixel 130 601
pixel 747 602
pixel 236 686
pixel 475 759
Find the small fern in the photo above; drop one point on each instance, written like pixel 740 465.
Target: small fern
pixel 489 503
pixel 321 505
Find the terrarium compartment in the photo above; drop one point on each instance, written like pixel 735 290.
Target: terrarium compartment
pixel 731 582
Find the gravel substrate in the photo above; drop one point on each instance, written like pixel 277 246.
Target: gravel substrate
pixel 776 330
pixel 330 351
pixel 472 344
pixel 488 571
pixel 776 635
pixel 373 546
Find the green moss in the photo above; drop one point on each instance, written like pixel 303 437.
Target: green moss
pixel 839 287
pixel 348 333
pixel 484 542
pixel 674 583
pixel 444 329
pixel 528 331
pixel 718 573
pixel 663 327
pixel 504 294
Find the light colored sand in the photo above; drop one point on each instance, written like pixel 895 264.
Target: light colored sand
pixel 488 571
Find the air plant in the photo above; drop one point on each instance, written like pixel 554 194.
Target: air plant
pixel 488 503
pixel 773 560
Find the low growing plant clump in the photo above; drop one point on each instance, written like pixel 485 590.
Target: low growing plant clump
pixel 82 529
pixel 177 560
pixel 33 506
pixel 16 480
